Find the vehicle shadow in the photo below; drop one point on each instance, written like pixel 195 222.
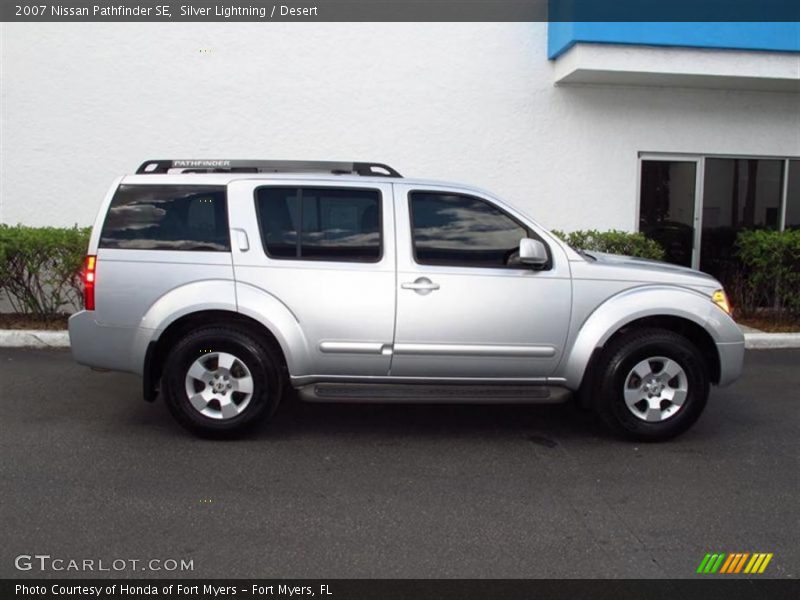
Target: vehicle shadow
pixel 295 419
pixel 541 423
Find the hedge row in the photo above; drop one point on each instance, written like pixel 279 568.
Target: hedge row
pixel 614 242
pixel 40 268
pixel 767 273
pixel 764 271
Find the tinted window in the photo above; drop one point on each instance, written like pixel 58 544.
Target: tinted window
pixel 450 229
pixel 167 217
pixel 332 224
pixel 666 206
pixel 737 194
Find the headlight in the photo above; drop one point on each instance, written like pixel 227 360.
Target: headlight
pixel 720 298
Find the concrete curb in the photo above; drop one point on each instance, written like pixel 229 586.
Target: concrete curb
pixel 765 341
pixel 33 338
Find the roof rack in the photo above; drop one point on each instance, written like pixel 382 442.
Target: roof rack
pixel 365 169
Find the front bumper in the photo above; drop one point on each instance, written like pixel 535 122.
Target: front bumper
pixel 731 360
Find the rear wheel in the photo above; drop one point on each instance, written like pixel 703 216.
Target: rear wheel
pixel 651 385
pixel 220 381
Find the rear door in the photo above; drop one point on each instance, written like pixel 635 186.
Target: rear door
pixel 326 251
pixel 466 307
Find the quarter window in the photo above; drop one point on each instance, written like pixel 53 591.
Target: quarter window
pixel 457 230
pixel 332 224
pixel 167 217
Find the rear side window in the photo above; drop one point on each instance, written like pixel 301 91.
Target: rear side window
pixel 167 217
pixel 333 224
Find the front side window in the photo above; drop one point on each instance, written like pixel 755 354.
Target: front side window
pixel 167 217
pixel 333 224
pixel 464 231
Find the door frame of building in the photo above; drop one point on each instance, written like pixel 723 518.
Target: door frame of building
pixel 697 219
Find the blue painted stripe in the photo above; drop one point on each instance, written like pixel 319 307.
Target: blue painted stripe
pixel 772 37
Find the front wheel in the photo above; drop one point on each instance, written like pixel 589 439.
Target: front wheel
pixel 220 381
pixel 652 385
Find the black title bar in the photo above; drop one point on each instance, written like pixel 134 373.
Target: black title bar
pixel 401 10
pixel 401 589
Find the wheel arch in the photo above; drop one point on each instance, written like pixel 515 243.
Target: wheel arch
pixel 680 310
pixel 210 302
pixel 158 348
pixel 693 332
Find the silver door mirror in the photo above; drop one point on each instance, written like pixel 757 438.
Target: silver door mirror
pixel 532 252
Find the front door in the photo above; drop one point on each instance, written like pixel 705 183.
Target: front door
pixel 466 307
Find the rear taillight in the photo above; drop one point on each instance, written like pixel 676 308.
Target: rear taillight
pixel 89 277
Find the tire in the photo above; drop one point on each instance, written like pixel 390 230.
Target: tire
pixel 220 381
pixel 637 395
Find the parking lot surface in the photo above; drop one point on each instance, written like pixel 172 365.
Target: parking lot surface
pixel 90 471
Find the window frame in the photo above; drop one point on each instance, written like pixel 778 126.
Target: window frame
pixel 299 189
pixel 785 195
pixel 529 232
pixel 210 188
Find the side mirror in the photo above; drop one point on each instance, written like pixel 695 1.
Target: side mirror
pixel 532 253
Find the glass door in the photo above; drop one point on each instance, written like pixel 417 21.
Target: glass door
pixel 669 189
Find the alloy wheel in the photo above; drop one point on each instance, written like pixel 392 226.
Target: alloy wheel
pixel 656 389
pixel 219 385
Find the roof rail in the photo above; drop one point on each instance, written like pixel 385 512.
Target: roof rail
pixel 365 169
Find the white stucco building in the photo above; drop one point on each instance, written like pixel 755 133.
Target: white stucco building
pixel 678 130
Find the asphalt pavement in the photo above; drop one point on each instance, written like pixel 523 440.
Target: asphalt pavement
pixel 90 471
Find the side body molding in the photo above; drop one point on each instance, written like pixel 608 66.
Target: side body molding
pixel 637 303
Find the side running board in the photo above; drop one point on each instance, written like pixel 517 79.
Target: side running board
pixel 419 393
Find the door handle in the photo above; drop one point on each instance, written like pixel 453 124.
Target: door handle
pixel 241 238
pixel 421 285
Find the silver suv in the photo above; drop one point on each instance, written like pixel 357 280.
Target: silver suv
pixel 226 284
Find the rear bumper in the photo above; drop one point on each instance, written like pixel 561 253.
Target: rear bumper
pixel 100 346
pixel 731 360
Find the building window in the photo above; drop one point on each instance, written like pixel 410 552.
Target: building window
pixel 720 195
pixel 737 194
pixel 667 200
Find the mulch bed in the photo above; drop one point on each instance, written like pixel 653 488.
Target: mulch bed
pixel 17 321
pixel 771 323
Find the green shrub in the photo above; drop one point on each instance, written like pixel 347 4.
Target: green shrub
pixel 614 242
pixel 40 267
pixel 771 270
